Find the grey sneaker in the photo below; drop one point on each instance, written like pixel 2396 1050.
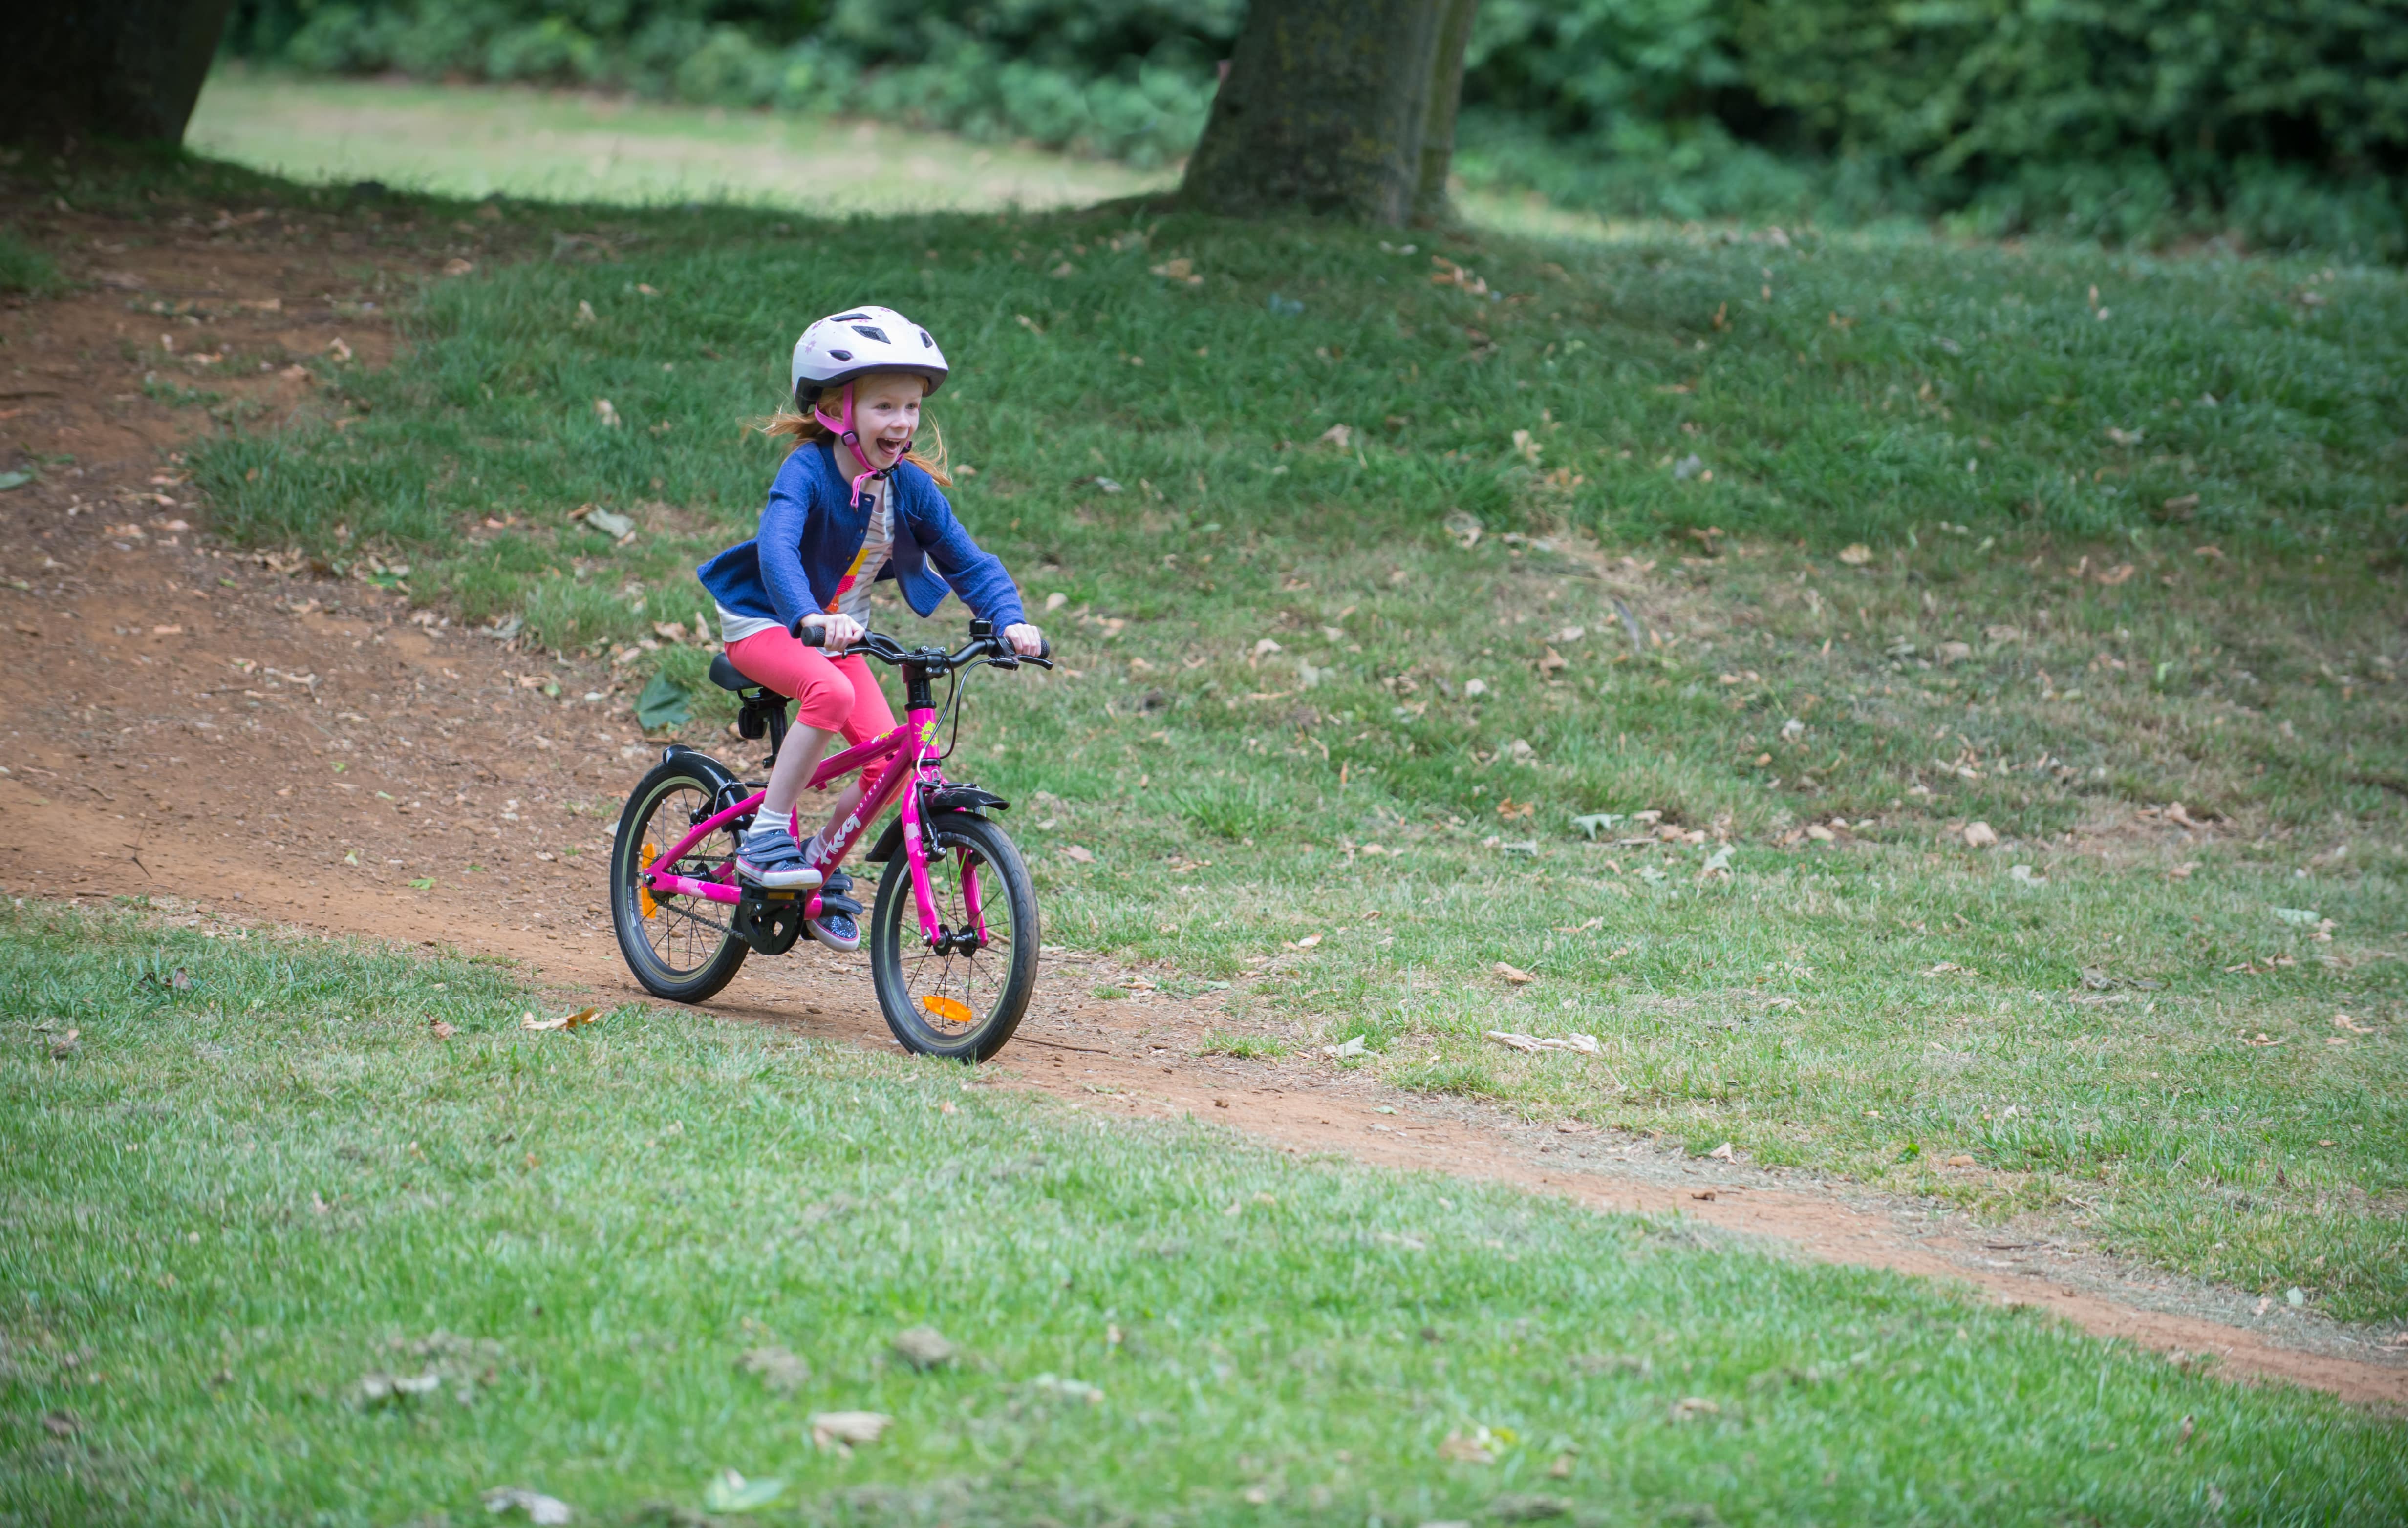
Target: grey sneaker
pixel 836 926
pixel 771 859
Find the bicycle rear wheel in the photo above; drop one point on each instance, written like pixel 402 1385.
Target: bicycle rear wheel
pixel 961 1003
pixel 682 949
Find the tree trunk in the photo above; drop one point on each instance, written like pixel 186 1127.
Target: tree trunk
pixel 1431 202
pixel 1324 110
pixel 122 69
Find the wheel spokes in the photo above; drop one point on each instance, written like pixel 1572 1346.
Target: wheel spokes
pixel 952 989
pixel 681 937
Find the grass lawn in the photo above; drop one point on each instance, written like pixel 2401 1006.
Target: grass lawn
pixel 1481 550
pixel 471 142
pixel 250 1187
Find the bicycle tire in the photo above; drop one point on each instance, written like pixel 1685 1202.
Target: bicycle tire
pixel 649 942
pixel 1002 989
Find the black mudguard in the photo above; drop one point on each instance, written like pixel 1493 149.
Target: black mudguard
pixel 726 790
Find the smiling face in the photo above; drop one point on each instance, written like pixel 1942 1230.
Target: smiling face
pixel 885 414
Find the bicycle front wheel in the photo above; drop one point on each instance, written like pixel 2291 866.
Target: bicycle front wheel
pixel 956 1001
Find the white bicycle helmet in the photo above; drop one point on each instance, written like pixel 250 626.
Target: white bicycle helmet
pixel 858 341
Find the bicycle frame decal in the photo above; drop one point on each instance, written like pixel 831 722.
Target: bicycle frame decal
pixel 911 754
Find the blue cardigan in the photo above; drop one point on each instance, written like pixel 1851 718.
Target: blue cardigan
pixel 810 533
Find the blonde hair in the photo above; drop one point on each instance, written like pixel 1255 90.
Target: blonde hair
pixel 805 428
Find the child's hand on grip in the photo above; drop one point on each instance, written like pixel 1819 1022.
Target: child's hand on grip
pixel 1026 640
pixel 837 633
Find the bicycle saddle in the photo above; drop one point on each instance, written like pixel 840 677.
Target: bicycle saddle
pixel 727 676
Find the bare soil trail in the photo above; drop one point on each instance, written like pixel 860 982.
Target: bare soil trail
pixel 240 739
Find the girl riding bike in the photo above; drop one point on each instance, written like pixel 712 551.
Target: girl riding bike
pixel 853 502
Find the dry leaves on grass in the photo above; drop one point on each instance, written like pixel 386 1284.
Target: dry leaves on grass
pixel 535 1504
pixel 1585 1045
pixel 1479 1446
pixel 567 1020
pixel 1514 975
pixel 440 1030
pixel 781 1371
pixel 923 1347
pixel 840 1430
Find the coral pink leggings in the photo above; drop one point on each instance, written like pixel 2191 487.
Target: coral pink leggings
pixel 833 694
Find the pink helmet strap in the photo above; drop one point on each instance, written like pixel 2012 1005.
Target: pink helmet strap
pixel 845 431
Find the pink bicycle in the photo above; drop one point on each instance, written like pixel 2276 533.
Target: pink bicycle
pixel 957 982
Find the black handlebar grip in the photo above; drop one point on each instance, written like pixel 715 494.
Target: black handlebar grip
pixel 810 637
pixel 1044 647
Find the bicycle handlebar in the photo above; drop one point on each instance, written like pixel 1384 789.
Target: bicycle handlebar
pixel 991 650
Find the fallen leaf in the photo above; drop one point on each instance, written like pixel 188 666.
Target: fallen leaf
pixel 1594 821
pixel 1690 1407
pixel 923 1348
pixel 1308 941
pixel 567 1020
pixel 379 1387
pixel 1516 1507
pixel 1084 856
pixel 781 1370
pixel 610 523
pixel 61 1423
pixel 606 413
pixel 1856 555
pixel 2182 504
pixel 1351 1048
pixel 730 1491
pixel 842 1429
pixel 2342 1020
pixel 440 1030
pixel 1465 528
pixel 1961 1162
pixel 1980 835
pixel 1474 1449
pixel 2026 875
pixel 2297 917
pixel 2117 574
pixel 1079 1389
pixel 1533 1044
pixel 1513 975
pixel 1724 1153
pixel 535 1504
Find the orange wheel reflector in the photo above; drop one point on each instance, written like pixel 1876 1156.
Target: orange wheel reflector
pixel 946 1008
pixel 643 891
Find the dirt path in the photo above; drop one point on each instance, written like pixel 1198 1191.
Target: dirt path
pixel 192 723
